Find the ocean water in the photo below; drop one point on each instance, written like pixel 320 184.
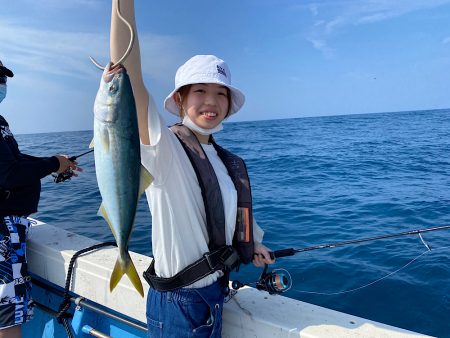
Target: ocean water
pixel 316 181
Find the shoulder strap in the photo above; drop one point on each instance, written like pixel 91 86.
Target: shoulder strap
pixel 209 184
pixel 243 234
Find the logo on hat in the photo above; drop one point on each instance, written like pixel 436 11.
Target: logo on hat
pixel 221 70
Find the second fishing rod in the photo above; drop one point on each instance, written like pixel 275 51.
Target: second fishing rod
pixel 293 251
pixel 279 280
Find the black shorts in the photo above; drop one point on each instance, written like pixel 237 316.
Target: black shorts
pixel 16 305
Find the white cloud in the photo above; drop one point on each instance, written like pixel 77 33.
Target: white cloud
pixel 55 75
pixel 161 55
pixel 344 13
pixel 60 5
pixel 334 16
pixel 51 52
pixel 67 53
pixel 380 10
pixel 322 46
pixel 314 9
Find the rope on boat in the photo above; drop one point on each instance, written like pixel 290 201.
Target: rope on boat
pixel 62 315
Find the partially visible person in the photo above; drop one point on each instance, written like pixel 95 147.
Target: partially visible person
pixel 20 188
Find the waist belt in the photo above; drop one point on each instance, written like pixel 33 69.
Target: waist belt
pixel 224 259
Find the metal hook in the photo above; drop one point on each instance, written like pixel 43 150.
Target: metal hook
pixel 130 46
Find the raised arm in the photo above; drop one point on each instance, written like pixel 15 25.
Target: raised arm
pixel 119 41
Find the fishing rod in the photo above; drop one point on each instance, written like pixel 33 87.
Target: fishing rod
pixel 67 175
pixel 73 158
pixel 279 280
pixel 293 251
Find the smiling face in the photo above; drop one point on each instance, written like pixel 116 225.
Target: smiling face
pixel 206 104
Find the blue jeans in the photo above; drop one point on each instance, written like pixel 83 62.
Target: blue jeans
pixel 185 312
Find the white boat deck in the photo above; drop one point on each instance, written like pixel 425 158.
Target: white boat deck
pixel 251 313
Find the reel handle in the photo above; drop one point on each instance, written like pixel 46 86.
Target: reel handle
pixel 282 253
pixel 66 175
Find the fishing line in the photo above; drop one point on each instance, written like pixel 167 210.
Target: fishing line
pixel 379 279
pixel 280 280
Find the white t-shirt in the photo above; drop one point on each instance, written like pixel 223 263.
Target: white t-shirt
pixel 179 233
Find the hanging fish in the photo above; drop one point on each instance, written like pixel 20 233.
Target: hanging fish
pixel 120 176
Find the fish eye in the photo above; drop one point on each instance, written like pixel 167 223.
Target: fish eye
pixel 113 88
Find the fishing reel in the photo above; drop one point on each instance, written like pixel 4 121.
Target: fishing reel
pixel 62 177
pixel 67 175
pixel 274 282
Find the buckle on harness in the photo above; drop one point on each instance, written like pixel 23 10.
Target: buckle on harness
pixel 226 257
pixel 207 256
pixel 230 259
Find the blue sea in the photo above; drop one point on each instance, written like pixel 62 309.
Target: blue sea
pixel 315 181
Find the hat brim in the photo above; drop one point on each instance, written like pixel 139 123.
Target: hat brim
pixel 237 99
pixel 6 72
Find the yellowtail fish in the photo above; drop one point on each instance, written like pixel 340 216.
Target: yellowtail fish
pixel 120 176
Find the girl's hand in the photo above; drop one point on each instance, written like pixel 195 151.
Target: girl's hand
pixel 261 255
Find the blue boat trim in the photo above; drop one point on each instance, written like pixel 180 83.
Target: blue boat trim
pixel 85 303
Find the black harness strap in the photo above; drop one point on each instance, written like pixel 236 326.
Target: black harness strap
pixel 209 185
pixel 225 259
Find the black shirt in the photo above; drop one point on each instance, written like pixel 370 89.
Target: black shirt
pixel 20 174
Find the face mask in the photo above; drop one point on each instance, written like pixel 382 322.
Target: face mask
pixel 202 131
pixel 2 92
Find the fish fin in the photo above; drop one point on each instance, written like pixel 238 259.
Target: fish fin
pixel 116 275
pixel 91 145
pixel 145 181
pixel 134 278
pixel 102 212
pixel 104 139
pixel 130 271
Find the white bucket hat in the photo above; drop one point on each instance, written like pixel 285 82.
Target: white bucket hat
pixel 204 69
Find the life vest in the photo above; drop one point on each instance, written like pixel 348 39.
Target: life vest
pixel 212 196
pixel 220 256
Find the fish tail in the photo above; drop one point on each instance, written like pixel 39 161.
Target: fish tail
pixel 134 278
pixel 130 270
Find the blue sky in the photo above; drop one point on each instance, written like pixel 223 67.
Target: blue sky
pixel 290 58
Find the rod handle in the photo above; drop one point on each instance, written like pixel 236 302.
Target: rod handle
pixel 282 253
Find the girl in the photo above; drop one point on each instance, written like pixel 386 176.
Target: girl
pixel 200 198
